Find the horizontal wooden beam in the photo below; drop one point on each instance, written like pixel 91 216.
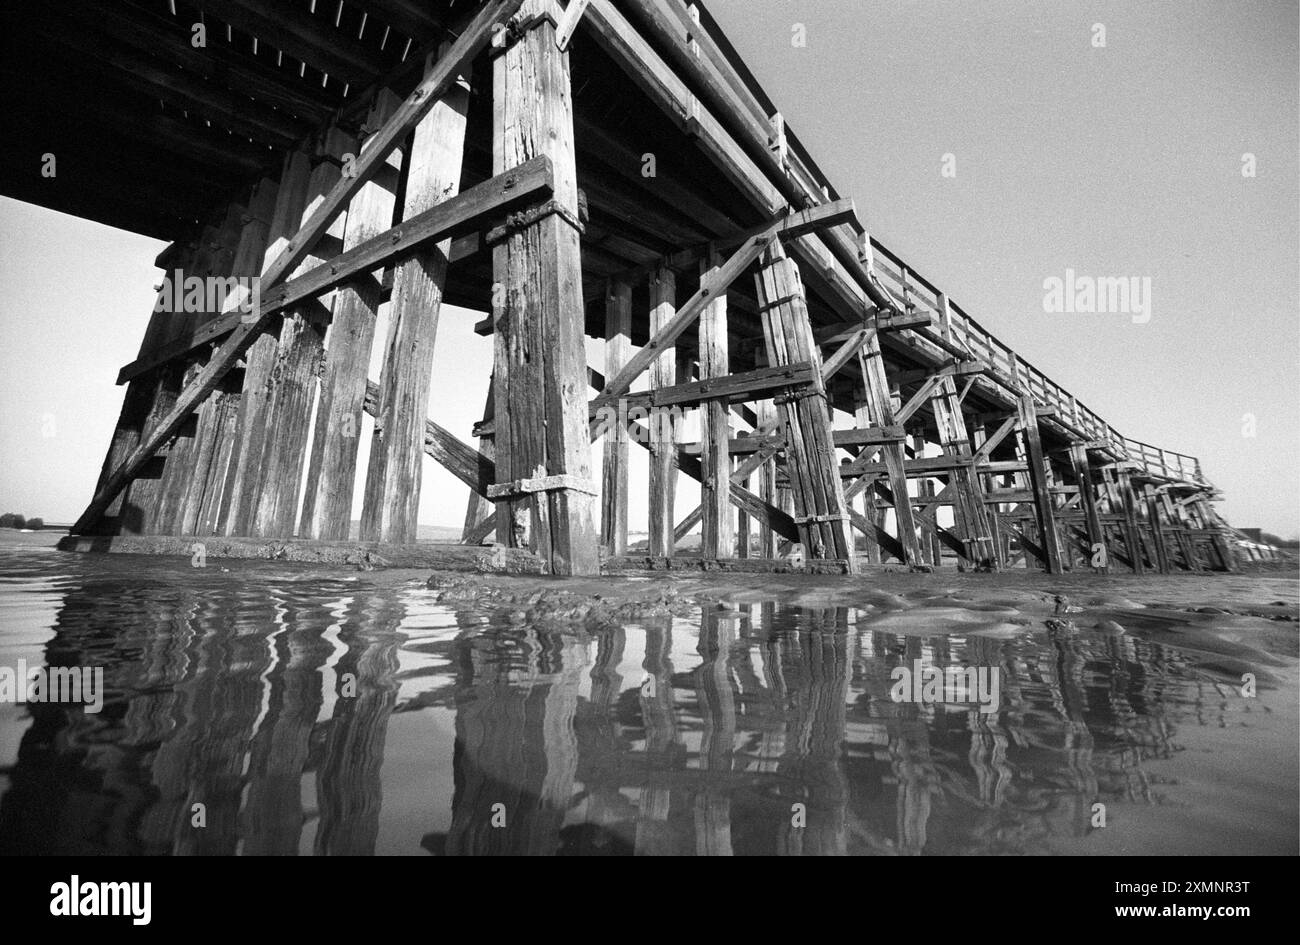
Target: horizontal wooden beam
pixel 457 216
pixel 744 386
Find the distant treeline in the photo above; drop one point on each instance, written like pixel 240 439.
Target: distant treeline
pixel 14 520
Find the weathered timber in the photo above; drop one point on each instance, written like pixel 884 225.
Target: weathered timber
pixel 475 37
pixel 820 510
pixel 614 467
pixel 1038 478
pixel 390 508
pixel 663 450
pixel 540 360
pixel 336 434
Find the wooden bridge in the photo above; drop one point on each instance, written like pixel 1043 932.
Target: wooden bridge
pixel 587 169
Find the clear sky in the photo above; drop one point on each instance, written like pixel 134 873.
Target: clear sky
pixel 1122 160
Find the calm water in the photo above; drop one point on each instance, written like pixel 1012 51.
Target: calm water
pixel 336 715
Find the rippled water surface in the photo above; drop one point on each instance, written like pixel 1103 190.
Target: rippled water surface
pixel 344 714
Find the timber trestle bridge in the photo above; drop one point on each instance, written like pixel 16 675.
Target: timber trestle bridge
pixel 585 169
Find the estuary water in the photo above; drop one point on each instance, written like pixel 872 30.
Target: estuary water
pixel 267 708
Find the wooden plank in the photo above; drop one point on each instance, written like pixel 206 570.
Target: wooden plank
pixel 821 512
pixel 218 417
pixel 479 508
pixel 846 352
pixel 336 434
pixel 1132 533
pixel 390 509
pixel 470 43
pixel 881 410
pixel 1088 499
pixel 1038 477
pixel 614 495
pixel 663 450
pixel 725 388
pixel 247 477
pixel 717 533
pixel 971 518
pixel 540 361
pixel 183 452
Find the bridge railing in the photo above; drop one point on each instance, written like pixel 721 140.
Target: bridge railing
pixel 963 331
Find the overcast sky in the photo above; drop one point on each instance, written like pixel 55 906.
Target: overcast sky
pixel 1122 160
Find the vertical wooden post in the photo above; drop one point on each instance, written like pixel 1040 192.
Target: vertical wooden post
pixel 862 419
pixel 179 467
pixel 743 538
pixel 820 510
pixel 1157 528
pixel 970 516
pixel 478 506
pixel 1038 479
pixel 244 480
pixel 1132 534
pixel 766 413
pixel 716 530
pixel 663 448
pixel 336 437
pixel 1218 544
pixel 218 417
pixel 618 347
pixel 540 383
pixel 881 408
pixel 390 509
pixel 1088 501
pixel 989 483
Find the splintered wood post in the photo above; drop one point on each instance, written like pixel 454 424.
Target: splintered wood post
pixel 336 437
pixel 1045 513
pixel 820 510
pixel 547 496
pixel 989 483
pixel 244 481
pixel 1154 519
pixel 872 364
pixel 618 345
pixel 390 509
pixel 970 515
pixel 1088 499
pixel 1132 532
pixel 478 506
pixel 716 530
pixel 300 348
pixel 862 419
pixel 765 410
pixel 218 417
pixel 663 448
pixel 179 467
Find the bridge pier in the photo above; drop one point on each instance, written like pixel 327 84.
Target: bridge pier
pixel 849 412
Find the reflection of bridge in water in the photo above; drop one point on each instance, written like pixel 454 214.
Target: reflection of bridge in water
pixel 679 736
